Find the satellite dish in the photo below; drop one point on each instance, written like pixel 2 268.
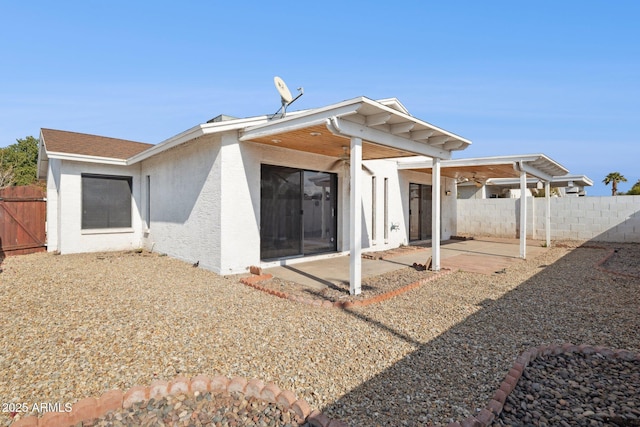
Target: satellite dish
pixel 285 96
pixel 283 90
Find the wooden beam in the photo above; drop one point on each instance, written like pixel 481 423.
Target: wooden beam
pixel 438 140
pixel 401 127
pixel 378 119
pixel 347 128
pixel 421 134
pixel 293 123
pixel 535 172
pixel 452 145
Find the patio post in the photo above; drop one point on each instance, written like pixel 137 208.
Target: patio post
pixel 355 209
pixel 523 214
pixel 436 193
pixel 547 219
pixel 533 218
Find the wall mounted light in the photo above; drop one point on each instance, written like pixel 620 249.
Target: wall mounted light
pixel 447 193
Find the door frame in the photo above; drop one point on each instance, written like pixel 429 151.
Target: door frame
pixel 424 229
pixel 332 193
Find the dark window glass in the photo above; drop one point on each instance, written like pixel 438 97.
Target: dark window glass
pixel 419 212
pixel 106 201
pixel 280 212
pixel 297 212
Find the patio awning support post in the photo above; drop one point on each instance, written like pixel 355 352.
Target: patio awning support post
pixel 355 209
pixel 547 215
pixel 435 214
pixel 523 213
pixel 533 218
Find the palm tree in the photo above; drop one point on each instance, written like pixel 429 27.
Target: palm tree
pixel 635 190
pixel 614 178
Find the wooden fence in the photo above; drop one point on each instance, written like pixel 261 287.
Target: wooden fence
pixel 22 220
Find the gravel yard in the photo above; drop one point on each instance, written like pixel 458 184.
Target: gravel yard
pixel 78 325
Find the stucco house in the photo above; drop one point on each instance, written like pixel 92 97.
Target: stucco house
pixel 232 193
pixel 359 175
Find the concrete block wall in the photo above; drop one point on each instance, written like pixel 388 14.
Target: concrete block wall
pixel 606 219
pixel 487 217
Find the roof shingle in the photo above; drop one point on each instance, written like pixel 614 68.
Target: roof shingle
pixel 60 141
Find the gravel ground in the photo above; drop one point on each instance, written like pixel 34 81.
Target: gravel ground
pixel 371 286
pixel 228 409
pixel 624 260
pixel 79 325
pixel 575 389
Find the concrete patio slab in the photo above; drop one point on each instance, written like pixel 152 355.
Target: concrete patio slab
pixel 486 256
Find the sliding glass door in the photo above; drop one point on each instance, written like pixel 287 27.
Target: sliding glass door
pixel 319 212
pixel 419 212
pixel 297 212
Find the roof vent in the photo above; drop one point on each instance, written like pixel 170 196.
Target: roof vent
pixel 221 118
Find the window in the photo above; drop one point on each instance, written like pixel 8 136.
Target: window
pixel 106 201
pixel 297 212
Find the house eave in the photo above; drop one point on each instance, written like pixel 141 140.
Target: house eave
pixel 299 121
pixel 43 160
pixel 385 123
pixel 196 132
pixel 557 181
pixel 86 159
pixel 538 165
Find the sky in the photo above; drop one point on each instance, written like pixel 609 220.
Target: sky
pixel 560 78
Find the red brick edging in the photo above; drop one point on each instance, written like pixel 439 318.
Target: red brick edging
pixel 487 415
pixel 254 282
pixel 91 408
pixel 599 266
pixel 258 276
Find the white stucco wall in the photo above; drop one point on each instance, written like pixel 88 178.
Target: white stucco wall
pixel 449 208
pixel 53 207
pixel 205 202
pixel 185 202
pixel 240 205
pixel 610 219
pixel 383 169
pixel 448 202
pixel 212 213
pixel 67 208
